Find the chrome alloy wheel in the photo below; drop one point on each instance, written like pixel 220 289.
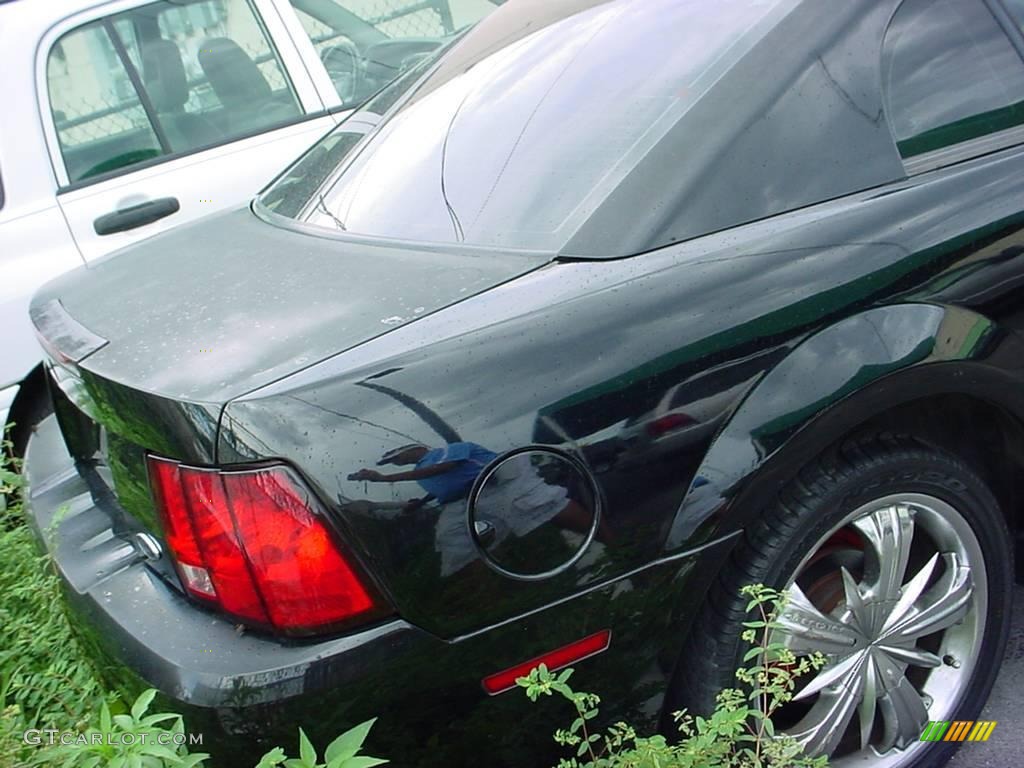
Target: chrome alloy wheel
pixel 895 598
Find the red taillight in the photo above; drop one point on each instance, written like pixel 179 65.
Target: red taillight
pixel 669 423
pixel 254 544
pixel 556 659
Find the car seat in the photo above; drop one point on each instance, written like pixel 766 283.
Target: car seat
pixel 167 85
pixel 241 87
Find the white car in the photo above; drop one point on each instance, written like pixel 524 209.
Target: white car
pixel 123 119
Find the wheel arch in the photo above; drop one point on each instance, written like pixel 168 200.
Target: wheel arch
pixel 943 373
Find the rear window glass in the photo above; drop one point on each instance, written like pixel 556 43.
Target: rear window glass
pixel 519 149
pixel 289 193
pixel 951 75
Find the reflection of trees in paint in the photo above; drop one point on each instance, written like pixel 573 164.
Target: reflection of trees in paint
pixel 429 416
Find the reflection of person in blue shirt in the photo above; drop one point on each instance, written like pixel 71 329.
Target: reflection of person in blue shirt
pixel 445 473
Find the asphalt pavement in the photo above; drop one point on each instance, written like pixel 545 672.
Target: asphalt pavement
pixel 1005 747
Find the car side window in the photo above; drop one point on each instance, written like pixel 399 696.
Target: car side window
pixel 101 123
pixel 165 78
pixel 339 54
pixel 364 44
pixel 951 74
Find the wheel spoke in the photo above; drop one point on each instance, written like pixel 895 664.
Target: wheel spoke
pixel 854 602
pixel 912 655
pixel 910 593
pixel 868 703
pixel 903 715
pixel 889 532
pixel 946 603
pixel 844 672
pixel 821 729
pixel 808 630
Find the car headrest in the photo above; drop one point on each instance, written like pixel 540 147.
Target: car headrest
pixel 164 75
pixel 234 76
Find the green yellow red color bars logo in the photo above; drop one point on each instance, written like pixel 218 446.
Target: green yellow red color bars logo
pixel 958 730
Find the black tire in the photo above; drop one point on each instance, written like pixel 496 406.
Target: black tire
pixel 31 407
pixel 806 510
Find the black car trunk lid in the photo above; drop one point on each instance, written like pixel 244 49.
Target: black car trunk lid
pixel 149 345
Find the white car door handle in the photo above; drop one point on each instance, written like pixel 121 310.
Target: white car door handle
pixel 136 216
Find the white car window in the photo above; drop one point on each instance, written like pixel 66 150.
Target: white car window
pixel 101 124
pixel 164 79
pixel 364 44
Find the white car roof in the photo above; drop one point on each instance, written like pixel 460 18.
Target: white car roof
pixel 28 12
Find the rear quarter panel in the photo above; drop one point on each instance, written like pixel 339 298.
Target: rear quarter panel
pixel 566 355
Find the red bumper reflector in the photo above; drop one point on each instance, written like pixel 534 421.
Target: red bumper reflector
pixel 559 658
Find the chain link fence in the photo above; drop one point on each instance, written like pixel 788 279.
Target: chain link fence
pixel 84 120
pixel 401 18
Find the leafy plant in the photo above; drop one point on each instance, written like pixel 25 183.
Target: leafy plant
pixel 9 480
pixel 343 752
pixel 132 739
pixel 738 734
pixel 138 740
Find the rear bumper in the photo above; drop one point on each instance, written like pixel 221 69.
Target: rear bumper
pixel 134 615
pixel 245 692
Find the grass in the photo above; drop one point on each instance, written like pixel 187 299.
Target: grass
pixel 46 680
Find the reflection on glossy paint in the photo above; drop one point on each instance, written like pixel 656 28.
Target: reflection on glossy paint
pixel 519 496
pixel 535 513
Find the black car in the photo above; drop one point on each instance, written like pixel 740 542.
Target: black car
pixel 385 419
